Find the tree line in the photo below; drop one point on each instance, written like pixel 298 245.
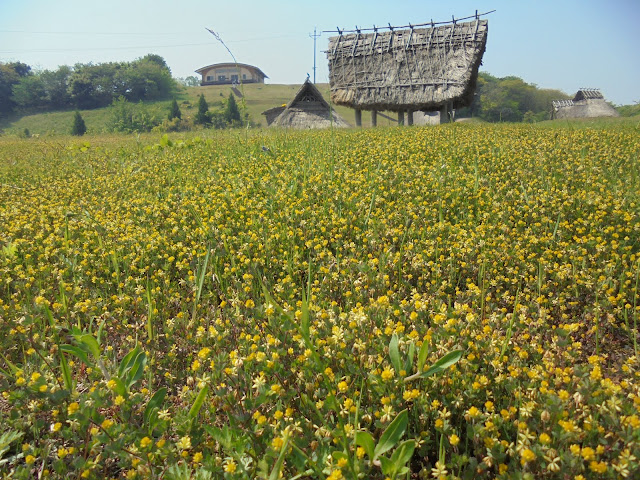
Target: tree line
pixel 510 99
pixel 83 86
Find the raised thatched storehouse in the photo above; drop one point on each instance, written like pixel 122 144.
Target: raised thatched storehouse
pixel 427 68
pixel 588 103
pixel 306 110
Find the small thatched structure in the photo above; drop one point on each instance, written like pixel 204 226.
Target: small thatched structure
pixel 273 113
pixel 407 70
pixel 306 110
pixel 588 103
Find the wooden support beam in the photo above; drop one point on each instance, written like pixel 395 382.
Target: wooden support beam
pixel 409 117
pixel 400 117
pixel 374 118
pixel 358 117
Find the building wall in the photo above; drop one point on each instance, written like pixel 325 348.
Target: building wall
pixel 230 74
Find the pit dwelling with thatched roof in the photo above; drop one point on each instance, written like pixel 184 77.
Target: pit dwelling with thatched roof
pixel 307 109
pixel 428 68
pixel 588 103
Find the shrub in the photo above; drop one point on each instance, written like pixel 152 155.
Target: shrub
pixel 78 128
pixel 174 111
pixel 203 117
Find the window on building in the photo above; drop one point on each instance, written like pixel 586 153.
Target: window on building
pixel 221 78
pixel 234 78
pixel 244 76
pixel 209 78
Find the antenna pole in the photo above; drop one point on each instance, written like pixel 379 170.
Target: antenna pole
pixel 314 35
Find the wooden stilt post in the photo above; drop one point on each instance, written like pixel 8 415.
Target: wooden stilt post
pixel 400 117
pixel 374 118
pixel 358 117
pixel 409 117
pixel 444 114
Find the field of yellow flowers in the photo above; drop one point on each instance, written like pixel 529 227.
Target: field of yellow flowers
pixel 450 302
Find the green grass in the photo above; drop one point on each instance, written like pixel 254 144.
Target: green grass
pixel 258 98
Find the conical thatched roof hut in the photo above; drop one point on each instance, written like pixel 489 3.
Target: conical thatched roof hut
pixel 588 103
pixel 411 69
pixel 306 110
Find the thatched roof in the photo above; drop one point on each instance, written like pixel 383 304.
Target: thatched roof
pixel 307 109
pixel 587 103
pixel 415 68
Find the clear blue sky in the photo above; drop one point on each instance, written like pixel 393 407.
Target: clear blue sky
pixel 564 44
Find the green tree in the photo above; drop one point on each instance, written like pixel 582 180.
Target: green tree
pixel 29 93
pixel 56 84
pixel 203 117
pixel 79 128
pixel 231 113
pixel 174 111
pixel 10 75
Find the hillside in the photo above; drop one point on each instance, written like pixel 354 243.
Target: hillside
pixel 258 98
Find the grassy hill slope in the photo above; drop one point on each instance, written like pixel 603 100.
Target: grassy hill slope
pixel 257 99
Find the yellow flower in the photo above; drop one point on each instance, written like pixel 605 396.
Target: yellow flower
pixel 197 457
pixel 454 439
pixel 526 456
pixel 230 466
pixel 387 374
pixel 343 386
pixel 544 438
pixel 145 442
pixel 119 400
pixel 598 467
pixel 184 443
pixel 588 453
pixel 30 459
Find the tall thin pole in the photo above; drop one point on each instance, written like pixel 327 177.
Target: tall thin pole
pixel 314 36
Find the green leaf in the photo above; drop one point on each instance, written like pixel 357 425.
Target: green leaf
pixel 197 404
pixel 119 386
pixel 6 439
pixel 392 434
pixel 365 440
pixel 77 351
pixel 387 466
pixel 277 467
pixel 408 363
pixel 443 363
pixel 394 353
pixel 91 343
pixel 155 402
pixel 422 356
pixel 136 370
pixel 127 362
pixel 13 368
pixel 304 320
pixel 66 374
pixel 403 454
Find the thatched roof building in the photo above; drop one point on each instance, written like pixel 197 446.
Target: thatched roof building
pixel 588 103
pixel 411 69
pixel 306 110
